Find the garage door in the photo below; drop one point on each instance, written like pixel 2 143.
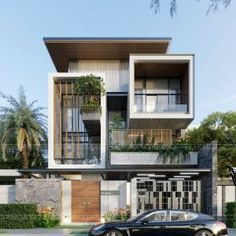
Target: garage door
pixel 85 201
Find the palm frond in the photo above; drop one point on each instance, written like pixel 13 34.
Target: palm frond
pixel 23 122
pixel 22 97
pixel 21 138
pixel 4 140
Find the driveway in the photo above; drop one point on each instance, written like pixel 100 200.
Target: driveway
pixel 45 232
pixel 59 232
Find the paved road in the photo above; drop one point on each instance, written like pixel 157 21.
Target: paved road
pixel 57 232
pixel 232 232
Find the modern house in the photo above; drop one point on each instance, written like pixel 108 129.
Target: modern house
pixel 123 155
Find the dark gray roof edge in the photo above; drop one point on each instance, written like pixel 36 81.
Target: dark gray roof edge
pixel 113 170
pixel 73 39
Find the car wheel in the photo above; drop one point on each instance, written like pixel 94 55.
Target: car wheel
pixel 113 233
pixel 203 233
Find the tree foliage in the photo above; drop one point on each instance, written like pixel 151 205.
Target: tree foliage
pixel 220 127
pixel 213 5
pixel 22 129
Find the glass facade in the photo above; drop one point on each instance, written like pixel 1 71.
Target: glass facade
pixel 159 95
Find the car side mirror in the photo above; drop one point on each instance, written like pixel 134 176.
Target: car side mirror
pixel 144 221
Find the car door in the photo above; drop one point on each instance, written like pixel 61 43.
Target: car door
pixel 180 223
pixel 152 225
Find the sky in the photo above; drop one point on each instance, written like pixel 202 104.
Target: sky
pixel 24 59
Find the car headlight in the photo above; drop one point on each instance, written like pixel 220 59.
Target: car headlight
pixel 218 226
pixel 97 227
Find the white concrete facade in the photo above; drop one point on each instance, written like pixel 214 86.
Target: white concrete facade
pixel 172 118
pixel 51 119
pixel 161 58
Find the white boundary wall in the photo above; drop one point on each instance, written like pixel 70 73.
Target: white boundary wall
pixel 7 193
pixel 224 194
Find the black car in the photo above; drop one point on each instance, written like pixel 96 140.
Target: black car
pixel 163 223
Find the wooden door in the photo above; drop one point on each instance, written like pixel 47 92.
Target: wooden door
pixel 85 201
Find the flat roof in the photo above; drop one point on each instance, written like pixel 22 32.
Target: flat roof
pixel 130 170
pixel 120 174
pixel 62 50
pixel 10 173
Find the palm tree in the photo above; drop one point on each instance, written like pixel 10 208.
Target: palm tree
pixel 24 123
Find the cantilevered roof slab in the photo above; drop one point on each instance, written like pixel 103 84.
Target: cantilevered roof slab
pixel 62 50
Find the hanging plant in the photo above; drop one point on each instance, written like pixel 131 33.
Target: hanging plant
pixel 90 88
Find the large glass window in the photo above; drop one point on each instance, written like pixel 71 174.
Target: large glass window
pixel 158 95
pixel 72 121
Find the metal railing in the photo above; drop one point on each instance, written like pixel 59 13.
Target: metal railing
pixel 77 153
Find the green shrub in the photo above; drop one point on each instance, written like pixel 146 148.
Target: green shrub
pixel 47 221
pixel 18 216
pixel 90 106
pixel 25 216
pixel 117 214
pixel 230 214
pixel 90 88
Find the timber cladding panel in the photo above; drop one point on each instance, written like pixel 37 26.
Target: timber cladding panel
pixel 85 201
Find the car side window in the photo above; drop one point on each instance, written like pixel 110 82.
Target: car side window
pixel 158 216
pixel 182 216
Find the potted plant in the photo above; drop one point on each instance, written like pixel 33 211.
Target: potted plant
pixel 90 88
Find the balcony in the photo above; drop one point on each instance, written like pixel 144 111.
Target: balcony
pixel 151 158
pixel 161 91
pixel 159 103
pixel 149 147
pixel 77 153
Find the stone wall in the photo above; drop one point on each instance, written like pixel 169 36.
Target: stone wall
pixel 43 192
pixel 208 160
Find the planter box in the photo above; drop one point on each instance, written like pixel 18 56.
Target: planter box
pixel 92 116
pixel 151 158
pixel 92 122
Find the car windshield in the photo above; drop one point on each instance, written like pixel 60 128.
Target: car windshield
pixel 156 216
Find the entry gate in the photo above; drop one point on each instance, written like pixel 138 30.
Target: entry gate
pixel 181 194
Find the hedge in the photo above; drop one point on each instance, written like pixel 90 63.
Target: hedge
pixel 18 216
pixel 230 214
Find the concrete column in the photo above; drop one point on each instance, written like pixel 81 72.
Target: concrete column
pixel 208 159
pixel 66 202
pixel 133 191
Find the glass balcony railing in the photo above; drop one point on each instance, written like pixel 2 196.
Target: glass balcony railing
pixel 136 137
pixel 159 103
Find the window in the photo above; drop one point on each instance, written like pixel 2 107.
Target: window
pixel 182 216
pixel 157 216
pixel 158 95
